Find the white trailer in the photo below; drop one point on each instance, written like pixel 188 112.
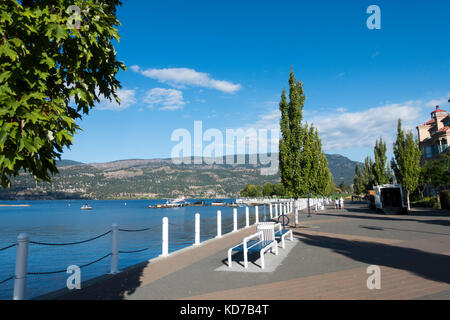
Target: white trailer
pixel 389 199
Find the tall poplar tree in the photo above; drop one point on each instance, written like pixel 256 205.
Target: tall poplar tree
pixel 358 185
pixel 291 142
pixel 368 178
pixel 381 169
pixel 303 165
pixel 284 145
pixel 406 161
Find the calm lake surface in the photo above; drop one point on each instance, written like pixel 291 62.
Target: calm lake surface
pixel 62 221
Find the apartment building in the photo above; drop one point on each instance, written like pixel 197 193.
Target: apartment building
pixel 434 135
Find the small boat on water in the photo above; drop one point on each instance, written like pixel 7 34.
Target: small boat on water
pixel 86 207
pixel 172 203
pixel 218 204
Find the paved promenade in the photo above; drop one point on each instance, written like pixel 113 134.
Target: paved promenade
pixel 327 260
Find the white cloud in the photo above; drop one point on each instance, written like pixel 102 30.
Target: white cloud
pixel 438 102
pixel 349 130
pixel 135 68
pixel 181 77
pixel 127 98
pixel 165 99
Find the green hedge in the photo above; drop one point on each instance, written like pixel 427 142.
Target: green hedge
pixel 445 199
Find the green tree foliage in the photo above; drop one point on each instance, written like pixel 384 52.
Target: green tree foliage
pixel 406 161
pixel 368 178
pixel 381 170
pixel 251 191
pixel 279 190
pixel 267 190
pixel 314 164
pixel 284 144
pixel 52 71
pixel 437 172
pixel 358 183
pixel 303 165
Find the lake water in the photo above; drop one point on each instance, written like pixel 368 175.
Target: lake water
pixel 62 221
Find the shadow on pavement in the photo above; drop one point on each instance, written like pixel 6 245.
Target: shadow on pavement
pixel 108 287
pixel 425 264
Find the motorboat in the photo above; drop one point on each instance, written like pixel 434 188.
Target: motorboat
pixel 86 207
pixel 218 204
pixel 172 203
pixel 179 202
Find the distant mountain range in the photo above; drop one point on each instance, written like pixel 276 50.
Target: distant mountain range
pixel 154 178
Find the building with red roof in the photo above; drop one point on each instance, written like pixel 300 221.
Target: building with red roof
pixel 434 134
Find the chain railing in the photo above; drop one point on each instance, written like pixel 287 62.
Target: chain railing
pixel 275 211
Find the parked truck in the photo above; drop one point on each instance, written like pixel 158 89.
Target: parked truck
pixel 389 199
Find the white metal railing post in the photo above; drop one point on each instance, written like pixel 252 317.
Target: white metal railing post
pixel 296 212
pixel 197 229
pixel 247 217
pixel 276 210
pixel 270 211
pixel 256 214
pixel 165 237
pixel 219 223
pixel 235 228
pixel 114 249
pixel 20 274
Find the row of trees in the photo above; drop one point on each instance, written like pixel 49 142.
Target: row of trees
pixel 266 190
pixel 405 165
pixel 303 166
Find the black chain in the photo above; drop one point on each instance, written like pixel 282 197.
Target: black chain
pixel 65 270
pixel 137 230
pixel 6 280
pixel 70 243
pixel 7 247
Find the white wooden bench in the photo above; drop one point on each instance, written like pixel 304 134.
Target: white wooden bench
pixel 254 243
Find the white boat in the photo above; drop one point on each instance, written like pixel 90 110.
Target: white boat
pixel 86 207
pixel 179 202
pixel 218 204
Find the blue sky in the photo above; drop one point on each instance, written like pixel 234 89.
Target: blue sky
pixel 225 63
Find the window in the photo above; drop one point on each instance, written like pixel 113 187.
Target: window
pixel 444 145
pixel 436 149
pixel 428 152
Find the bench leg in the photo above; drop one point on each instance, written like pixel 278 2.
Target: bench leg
pixel 245 260
pixel 282 241
pixel 290 233
pixel 261 254
pixel 229 258
pixel 275 244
